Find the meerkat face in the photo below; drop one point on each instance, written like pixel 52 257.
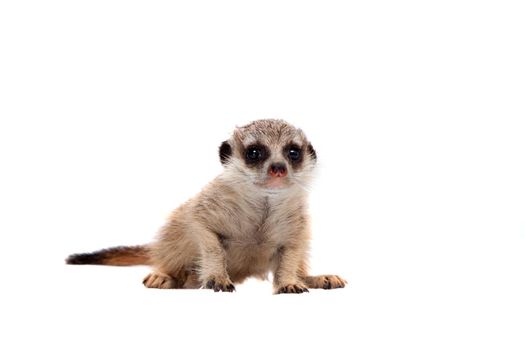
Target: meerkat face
pixel 270 154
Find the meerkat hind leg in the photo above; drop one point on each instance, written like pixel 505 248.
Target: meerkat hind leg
pixel 161 280
pixel 325 281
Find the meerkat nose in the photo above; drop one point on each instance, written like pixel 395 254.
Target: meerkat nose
pixel 278 170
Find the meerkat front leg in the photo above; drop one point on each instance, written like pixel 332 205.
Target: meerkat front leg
pixel 286 276
pixel 213 273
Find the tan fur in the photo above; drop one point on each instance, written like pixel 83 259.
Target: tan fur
pixel 237 227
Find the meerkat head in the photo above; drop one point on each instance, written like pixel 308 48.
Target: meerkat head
pixel 270 154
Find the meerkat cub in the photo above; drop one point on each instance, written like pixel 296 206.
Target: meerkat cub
pixel 249 221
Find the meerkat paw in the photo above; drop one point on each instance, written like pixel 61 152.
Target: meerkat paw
pixel 325 282
pixel 160 280
pixel 296 288
pixel 219 284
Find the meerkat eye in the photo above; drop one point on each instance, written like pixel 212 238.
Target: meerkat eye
pixel 294 153
pixel 255 154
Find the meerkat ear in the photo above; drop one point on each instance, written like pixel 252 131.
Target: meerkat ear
pixel 311 151
pixel 225 152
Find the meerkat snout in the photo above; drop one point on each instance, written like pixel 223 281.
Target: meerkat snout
pixel 277 170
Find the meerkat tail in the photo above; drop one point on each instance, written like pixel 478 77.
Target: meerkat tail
pixel 115 256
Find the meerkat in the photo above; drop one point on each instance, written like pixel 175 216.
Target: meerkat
pixel 249 221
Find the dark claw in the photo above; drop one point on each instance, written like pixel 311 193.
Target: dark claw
pixel 218 287
pixel 292 289
pixel 210 284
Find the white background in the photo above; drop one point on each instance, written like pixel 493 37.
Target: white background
pixel 111 116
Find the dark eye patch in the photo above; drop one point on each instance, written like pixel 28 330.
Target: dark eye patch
pixel 256 154
pixel 294 153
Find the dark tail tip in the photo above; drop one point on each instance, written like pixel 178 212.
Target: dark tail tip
pixel 83 259
pixel 115 256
